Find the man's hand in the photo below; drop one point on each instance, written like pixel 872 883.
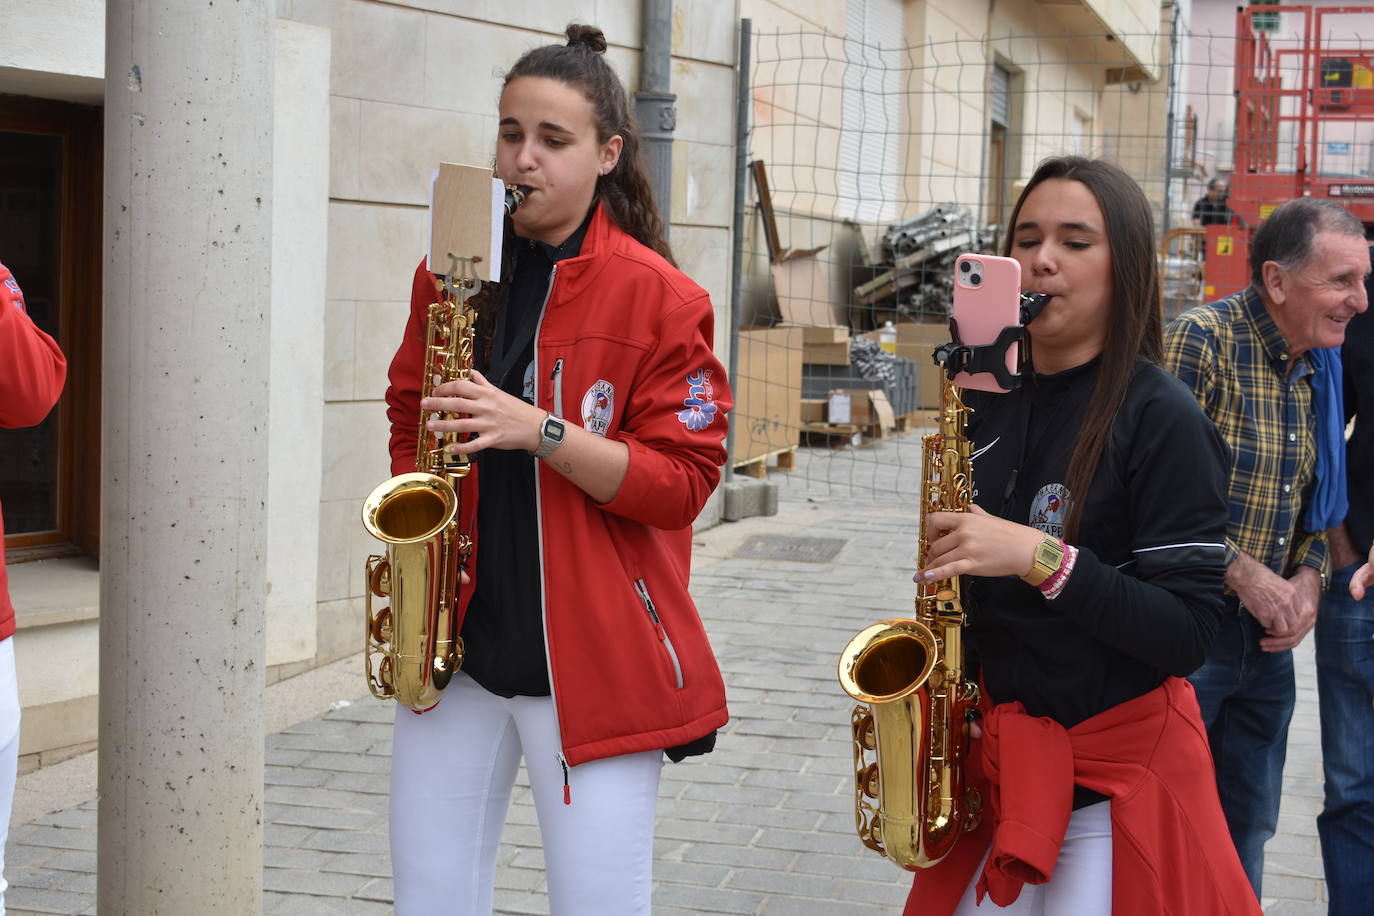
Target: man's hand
pixel 1266 595
pixel 1363 578
pixel 1307 591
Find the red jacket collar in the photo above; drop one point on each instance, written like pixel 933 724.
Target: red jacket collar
pixel 603 238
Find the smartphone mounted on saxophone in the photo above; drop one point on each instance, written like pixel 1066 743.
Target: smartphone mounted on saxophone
pixel 987 324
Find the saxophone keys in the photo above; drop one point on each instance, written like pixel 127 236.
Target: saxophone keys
pixel 863 728
pixel 973 808
pixel 379 578
pixel 381 627
pixel 868 780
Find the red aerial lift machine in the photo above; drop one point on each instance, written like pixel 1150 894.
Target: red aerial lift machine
pixel 1286 94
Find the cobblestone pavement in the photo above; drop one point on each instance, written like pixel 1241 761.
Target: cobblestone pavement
pixel 762 826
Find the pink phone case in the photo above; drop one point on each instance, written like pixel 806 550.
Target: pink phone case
pixel 987 298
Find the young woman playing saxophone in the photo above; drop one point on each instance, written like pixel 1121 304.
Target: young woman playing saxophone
pixel 1093 563
pixel 597 417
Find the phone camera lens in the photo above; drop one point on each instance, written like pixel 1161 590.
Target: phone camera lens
pixel 975 279
pixel 965 266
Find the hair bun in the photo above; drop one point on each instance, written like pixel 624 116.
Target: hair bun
pixel 587 36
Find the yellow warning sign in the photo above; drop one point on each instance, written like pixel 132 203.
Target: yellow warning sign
pixel 1224 244
pixel 1265 210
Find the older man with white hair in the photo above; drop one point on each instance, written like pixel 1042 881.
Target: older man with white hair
pixel 1265 366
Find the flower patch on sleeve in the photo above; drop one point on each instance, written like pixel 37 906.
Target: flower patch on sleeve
pixel 699 407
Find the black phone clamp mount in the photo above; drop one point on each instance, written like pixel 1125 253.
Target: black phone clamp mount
pixel 957 356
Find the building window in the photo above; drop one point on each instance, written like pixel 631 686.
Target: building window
pixel 50 217
pixel 1001 142
pixel 872 129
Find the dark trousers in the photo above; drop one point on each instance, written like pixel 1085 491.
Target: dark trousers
pixel 1345 689
pixel 1247 697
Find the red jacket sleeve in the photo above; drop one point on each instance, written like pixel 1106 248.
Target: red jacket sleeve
pixel 32 367
pixel 403 394
pixel 675 424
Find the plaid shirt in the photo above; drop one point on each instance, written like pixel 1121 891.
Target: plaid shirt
pixel 1236 361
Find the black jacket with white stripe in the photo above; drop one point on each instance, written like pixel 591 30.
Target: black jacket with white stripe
pixel 1144 600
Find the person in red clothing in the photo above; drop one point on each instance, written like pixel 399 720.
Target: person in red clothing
pixel 596 417
pixel 32 370
pixel 1093 559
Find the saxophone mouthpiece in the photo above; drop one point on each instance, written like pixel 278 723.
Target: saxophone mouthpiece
pixel 1033 304
pixel 515 196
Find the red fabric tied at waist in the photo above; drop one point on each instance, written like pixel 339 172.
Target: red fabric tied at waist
pixel 1031 800
pixel 1171 851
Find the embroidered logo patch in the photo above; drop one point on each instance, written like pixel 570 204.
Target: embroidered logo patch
pixel 598 406
pixel 527 392
pixel 1049 509
pixel 13 287
pixel 700 402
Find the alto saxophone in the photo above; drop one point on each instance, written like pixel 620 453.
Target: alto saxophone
pixel 911 802
pixel 412 647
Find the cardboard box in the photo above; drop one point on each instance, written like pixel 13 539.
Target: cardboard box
pixel 916 341
pixel 867 407
pixel 767 386
pixel 814 410
pixel 825 335
pixel 828 354
pixel 803 288
pixel 825 345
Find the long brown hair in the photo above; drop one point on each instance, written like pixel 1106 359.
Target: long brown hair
pixel 625 190
pixel 1135 327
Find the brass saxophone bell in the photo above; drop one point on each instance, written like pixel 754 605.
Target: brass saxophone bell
pixel 910 731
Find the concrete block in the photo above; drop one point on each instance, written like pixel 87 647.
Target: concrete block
pixel 746 497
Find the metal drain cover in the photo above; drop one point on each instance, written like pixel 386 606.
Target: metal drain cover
pixel 785 547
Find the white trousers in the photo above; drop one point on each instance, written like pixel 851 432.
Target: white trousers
pixel 452 770
pixel 1082 880
pixel 9 750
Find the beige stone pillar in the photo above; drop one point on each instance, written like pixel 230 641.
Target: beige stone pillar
pixel 187 280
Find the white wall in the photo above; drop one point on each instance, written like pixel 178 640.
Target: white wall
pixel 53 49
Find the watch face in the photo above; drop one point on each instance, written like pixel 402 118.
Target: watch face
pixel 553 429
pixel 1049 555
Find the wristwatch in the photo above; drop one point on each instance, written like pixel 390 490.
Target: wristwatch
pixel 550 436
pixel 1049 556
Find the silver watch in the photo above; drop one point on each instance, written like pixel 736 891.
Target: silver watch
pixel 550 436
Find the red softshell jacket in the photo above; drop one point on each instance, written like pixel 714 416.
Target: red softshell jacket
pixel 32 370
pixel 623 348
pixel 1171 851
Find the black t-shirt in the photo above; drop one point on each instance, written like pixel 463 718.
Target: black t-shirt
pixel 503 631
pixel 1210 212
pixel 1357 357
pixel 1145 596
